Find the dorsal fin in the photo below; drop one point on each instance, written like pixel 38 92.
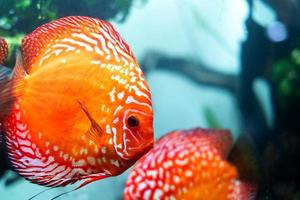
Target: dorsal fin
pixel 3 50
pixel 19 71
pixel 221 138
pixel 4 79
pixel 245 158
pixel 70 34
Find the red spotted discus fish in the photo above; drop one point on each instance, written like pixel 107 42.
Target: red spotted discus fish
pixel 187 165
pixel 77 106
pixel 3 50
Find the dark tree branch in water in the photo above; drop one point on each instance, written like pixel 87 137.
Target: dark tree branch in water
pixel 193 70
pixel 253 118
pixel 278 147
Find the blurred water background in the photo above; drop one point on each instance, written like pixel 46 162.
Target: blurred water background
pixel 207 37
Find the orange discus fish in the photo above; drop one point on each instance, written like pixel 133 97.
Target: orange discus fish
pixel 187 165
pixel 3 50
pixel 77 106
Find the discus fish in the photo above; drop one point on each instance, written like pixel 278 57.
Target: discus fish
pixel 77 106
pixel 187 164
pixel 3 50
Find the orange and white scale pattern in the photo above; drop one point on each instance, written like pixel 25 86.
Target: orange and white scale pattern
pixel 26 156
pixel 182 166
pixel 75 35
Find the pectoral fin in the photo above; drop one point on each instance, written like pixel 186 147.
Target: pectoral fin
pixel 95 131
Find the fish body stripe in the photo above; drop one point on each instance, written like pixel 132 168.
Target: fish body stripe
pixel 179 166
pixel 29 161
pixel 98 34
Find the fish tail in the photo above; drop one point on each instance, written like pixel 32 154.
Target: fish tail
pixel 4 158
pixel 11 82
pixel 4 77
pixel 4 74
pixel 7 97
pixel 4 85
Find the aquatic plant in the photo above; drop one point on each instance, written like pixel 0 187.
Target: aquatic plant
pixel 286 78
pixel 18 17
pixel 22 16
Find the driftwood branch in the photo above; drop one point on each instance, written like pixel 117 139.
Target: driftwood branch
pixel 193 70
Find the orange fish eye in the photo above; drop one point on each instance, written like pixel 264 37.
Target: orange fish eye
pixel 132 121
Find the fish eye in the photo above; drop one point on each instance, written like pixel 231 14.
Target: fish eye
pixel 132 121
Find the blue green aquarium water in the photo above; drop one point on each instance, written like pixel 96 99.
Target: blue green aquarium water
pixel 149 99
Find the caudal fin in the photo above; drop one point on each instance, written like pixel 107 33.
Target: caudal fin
pixel 11 85
pixel 4 77
pixel 5 73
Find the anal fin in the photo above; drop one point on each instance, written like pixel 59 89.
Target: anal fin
pixel 4 74
pixel 92 179
pixel 87 181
